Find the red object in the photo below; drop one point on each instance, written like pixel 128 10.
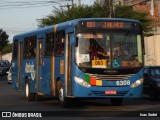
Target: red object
pixel 111 92
pixel 93 81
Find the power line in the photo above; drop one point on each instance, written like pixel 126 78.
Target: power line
pixel 11 5
pixel 17 2
pixel 19 5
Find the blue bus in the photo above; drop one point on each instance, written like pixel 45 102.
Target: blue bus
pixel 86 58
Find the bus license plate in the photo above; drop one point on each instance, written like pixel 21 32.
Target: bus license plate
pixel 111 92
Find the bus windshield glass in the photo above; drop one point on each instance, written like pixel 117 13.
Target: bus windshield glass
pixel 109 49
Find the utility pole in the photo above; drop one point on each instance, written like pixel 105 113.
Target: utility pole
pixel 68 6
pixel 71 2
pixel 79 2
pixel 109 8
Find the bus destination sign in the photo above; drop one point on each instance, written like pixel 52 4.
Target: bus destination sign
pixel 108 25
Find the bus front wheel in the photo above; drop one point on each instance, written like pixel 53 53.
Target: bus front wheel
pixel 29 96
pixel 116 101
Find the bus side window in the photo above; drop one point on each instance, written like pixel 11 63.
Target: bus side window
pixel 59 48
pixel 26 47
pixel 32 46
pixel 15 48
pixel 49 45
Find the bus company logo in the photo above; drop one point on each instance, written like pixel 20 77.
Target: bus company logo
pixel 29 68
pixel 111 71
pixel 6 114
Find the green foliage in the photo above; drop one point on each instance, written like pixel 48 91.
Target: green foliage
pixel 97 10
pixel 83 11
pixel 7 48
pixel 3 39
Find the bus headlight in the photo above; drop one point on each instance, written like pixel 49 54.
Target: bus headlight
pixel 137 83
pixel 81 82
pixel 158 84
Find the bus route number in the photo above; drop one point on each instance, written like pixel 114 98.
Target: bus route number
pixel 99 63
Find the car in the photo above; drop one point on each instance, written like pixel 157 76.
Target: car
pixel 2 69
pixel 6 63
pixel 9 76
pixel 151 83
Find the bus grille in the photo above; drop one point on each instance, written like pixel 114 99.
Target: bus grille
pixel 110 77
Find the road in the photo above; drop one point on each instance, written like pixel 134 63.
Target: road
pixel 14 101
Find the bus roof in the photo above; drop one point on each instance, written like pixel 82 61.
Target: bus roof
pixel 66 24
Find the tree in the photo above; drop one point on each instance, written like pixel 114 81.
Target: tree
pixel 7 48
pixel 3 39
pixel 98 10
pixel 83 11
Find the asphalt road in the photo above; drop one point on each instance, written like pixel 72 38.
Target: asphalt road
pixel 13 101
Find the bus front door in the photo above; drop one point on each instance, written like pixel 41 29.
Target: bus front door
pixel 68 66
pixel 38 63
pixel 19 65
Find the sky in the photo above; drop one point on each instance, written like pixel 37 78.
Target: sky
pixel 19 16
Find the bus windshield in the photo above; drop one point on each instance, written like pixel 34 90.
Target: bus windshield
pixel 109 50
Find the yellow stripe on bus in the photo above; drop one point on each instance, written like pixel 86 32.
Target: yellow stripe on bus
pixel 98 82
pixel 52 76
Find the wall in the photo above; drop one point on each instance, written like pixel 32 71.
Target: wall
pixel 7 57
pixel 152 50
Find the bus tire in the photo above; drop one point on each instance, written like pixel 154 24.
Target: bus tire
pixel 62 99
pixel 29 96
pixel 116 101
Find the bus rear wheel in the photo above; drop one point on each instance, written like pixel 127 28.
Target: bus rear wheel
pixel 116 101
pixel 29 96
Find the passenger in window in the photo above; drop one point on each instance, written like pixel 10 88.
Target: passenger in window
pixel 97 52
pixel 120 51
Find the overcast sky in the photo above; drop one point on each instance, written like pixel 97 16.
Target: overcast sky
pixel 17 16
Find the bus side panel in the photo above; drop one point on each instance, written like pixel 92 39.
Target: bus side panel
pixel 29 74
pixel 45 84
pixel 15 74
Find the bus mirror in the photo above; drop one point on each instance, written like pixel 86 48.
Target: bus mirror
pixel 76 44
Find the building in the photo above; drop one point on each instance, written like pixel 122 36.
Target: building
pixel 152 7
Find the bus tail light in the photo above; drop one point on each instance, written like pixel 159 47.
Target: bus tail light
pixel 137 83
pixel 81 82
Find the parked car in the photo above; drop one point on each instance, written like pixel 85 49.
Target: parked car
pixel 9 76
pixel 152 81
pixel 2 69
pixel 6 63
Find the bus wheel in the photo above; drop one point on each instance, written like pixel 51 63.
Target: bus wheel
pixel 116 101
pixel 29 96
pixel 62 100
